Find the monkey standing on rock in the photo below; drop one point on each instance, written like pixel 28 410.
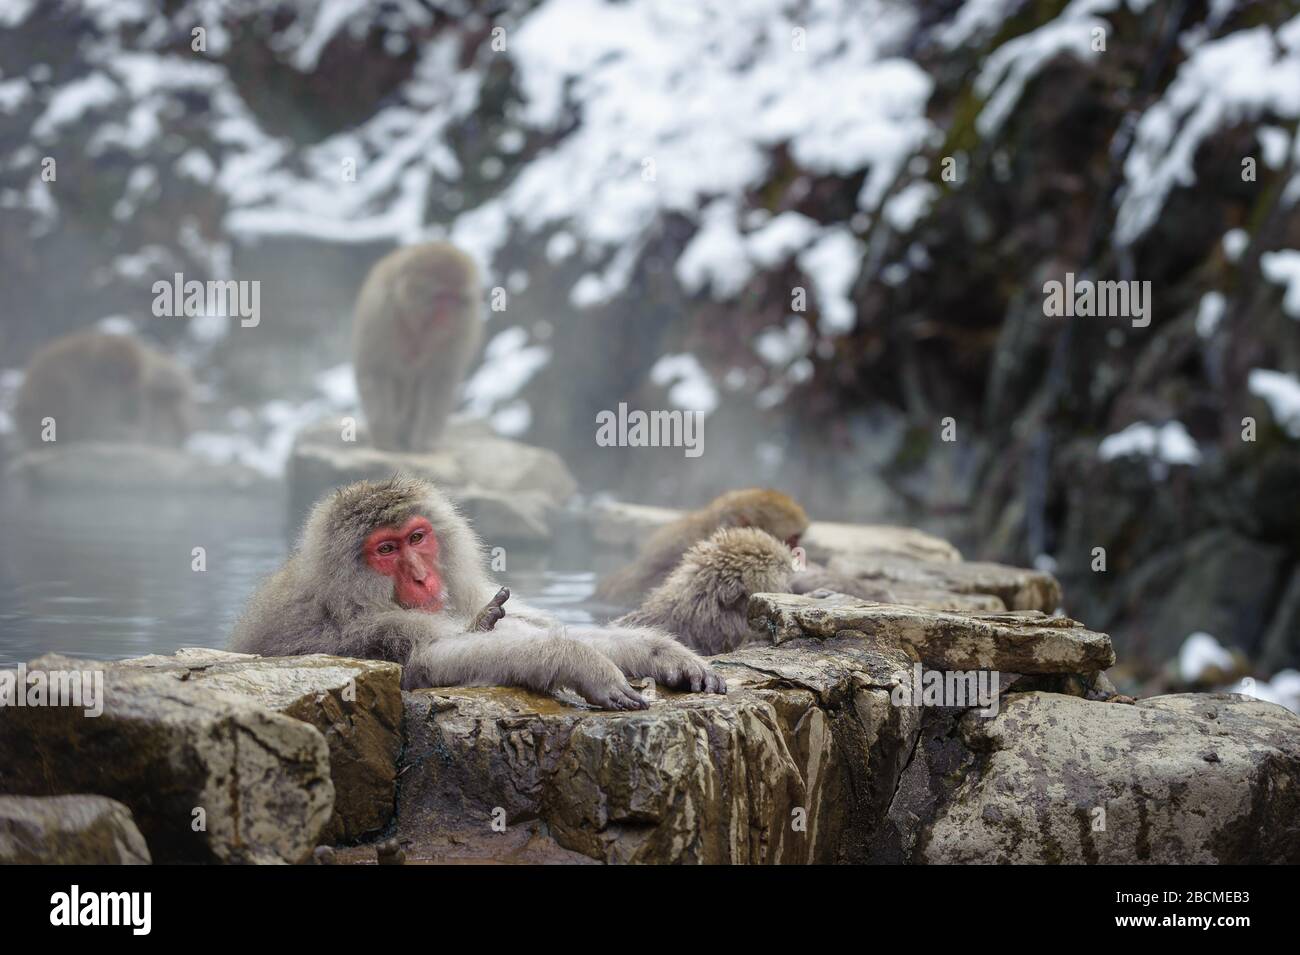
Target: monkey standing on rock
pixel 98 386
pixel 390 570
pixel 765 509
pixel 417 329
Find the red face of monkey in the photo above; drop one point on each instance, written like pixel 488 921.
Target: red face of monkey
pixel 409 555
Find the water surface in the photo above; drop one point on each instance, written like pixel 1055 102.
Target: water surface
pixel 113 577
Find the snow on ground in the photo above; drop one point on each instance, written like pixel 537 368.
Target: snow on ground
pixel 1283 689
pixel 1012 65
pixel 833 262
pixel 1210 313
pixel 1201 652
pixel 1283 268
pixel 680 103
pixel 911 203
pixel 1234 243
pixel 722 260
pixel 509 361
pixel 1165 444
pixel 262 439
pixel 72 101
pixel 1282 394
pixel 396 154
pixel 689 385
pixel 781 345
pixel 975 20
pixel 1237 77
pixel 13 94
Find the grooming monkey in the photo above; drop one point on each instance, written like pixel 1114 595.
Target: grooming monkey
pixel 765 509
pixel 390 570
pixel 105 387
pixel 417 329
pixel 704 601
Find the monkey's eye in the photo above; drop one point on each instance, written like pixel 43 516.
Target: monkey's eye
pixel 417 537
pixel 386 548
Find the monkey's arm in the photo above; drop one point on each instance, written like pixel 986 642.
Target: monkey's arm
pixel 541 661
pixel 644 651
pixel 393 635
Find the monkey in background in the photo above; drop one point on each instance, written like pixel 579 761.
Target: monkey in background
pixel 391 571
pixel 417 328
pixel 105 387
pixel 765 509
pixel 704 601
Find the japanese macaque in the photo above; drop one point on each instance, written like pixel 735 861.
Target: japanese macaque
pixel 417 329
pixel 390 570
pixel 96 386
pixel 768 510
pixel 704 601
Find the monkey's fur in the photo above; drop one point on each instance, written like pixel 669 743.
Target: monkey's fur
pixel 325 599
pixel 417 329
pixel 103 387
pixel 704 600
pixel 768 510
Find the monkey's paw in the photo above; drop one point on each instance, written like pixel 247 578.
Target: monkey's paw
pixel 616 694
pixel 685 671
pixel 487 618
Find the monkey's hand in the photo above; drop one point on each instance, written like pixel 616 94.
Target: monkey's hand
pixel 487 618
pixel 607 688
pixel 680 668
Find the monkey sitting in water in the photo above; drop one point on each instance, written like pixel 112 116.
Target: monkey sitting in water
pixel 417 328
pixel 761 508
pixel 704 601
pixel 97 386
pixel 392 571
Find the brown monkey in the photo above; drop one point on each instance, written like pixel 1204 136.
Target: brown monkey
pixel 390 570
pixel 417 329
pixel 704 601
pixel 768 510
pixel 105 387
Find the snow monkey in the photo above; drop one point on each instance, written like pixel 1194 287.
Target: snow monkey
pixel 98 386
pixel 390 570
pixel 705 600
pixel 765 509
pixel 417 328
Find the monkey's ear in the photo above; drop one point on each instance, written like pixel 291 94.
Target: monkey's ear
pixel 743 521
